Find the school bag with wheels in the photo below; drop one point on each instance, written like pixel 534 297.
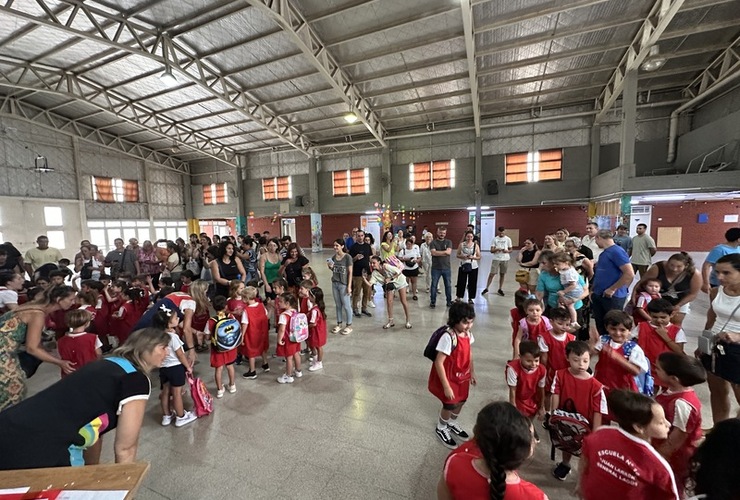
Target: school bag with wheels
pixel 298 327
pixel 202 399
pixel 430 351
pixel 227 334
pixel 567 429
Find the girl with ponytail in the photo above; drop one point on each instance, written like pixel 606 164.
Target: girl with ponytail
pixel 485 467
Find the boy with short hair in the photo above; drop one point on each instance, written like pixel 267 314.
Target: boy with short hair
pixel 614 369
pixel 679 373
pixel 552 344
pixel 186 278
pixel 659 335
pixel 574 389
pixel 526 380
pixel 533 325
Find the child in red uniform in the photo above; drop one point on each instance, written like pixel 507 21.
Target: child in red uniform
pixel 123 320
pixel 573 388
pixel 114 299
pixel 316 328
pixel 78 346
pixel 517 312
pixel 142 304
pixel 186 279
pixel 682 410
pixel 618 462
pixel 452 372
pixel 613 369
pixel 659 335
pixel 279 287
pixel 304 305
pixel 236 303
pixel 219 359
pixel 526 380
pixel 533 325
pixel 486 466
pixel 285 348
pixel 552 345
pixel 256 327
pixel 644 293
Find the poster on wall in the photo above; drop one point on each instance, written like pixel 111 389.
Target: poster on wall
pixel 316 237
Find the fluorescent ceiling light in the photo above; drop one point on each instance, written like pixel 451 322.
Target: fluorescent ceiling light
pixel 666 197
pixel 350 118
pixel 167 77
pixel 654 61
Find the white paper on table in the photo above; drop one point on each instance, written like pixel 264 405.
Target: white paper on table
pixel 92 495
pixel 14 491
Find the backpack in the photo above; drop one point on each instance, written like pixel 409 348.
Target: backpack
pixel 567 429
pixel 645 380
pixel 202 399
pixel 86 271
pixel 298 327
pixel 430 351
pixel 227 334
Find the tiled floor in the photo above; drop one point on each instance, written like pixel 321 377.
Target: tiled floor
pixel 363 428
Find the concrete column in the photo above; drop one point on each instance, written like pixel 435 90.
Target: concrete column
pixel 478 182
pixel 241 201
pixel 313 185
pixel 187 195
pixel 148 192
pixel 629 119
pixel 595 149
pixel 385 169
pixel 84 231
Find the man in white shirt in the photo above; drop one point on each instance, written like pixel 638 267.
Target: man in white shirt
pixel 589 240
pixel 500 250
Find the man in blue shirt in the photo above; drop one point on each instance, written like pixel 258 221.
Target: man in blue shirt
pixel 709 277
pixel 613 275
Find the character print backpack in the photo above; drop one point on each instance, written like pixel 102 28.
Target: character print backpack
pixel 298 327
pixel 202 399
pixel 227 333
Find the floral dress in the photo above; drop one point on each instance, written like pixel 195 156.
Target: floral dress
pixel 12 376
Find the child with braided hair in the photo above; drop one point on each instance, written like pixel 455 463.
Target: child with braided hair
pixel 485 467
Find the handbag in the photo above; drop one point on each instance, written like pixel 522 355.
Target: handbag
pixel 707 340
pixel 466 268
pixel 389 287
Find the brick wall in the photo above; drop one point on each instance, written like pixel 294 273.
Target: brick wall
pixel 695 237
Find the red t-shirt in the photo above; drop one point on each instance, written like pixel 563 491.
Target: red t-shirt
pixel 79 348
pixel 587 394
pixel 652 345
pixel 236 306
pixel 683 411
pixel 465 482
pixel 527 384
pixel 316 327
pixel 621 466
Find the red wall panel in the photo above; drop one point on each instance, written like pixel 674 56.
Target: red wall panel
pixel 333 226
pixel 303 231
pixel 536 222
pixel 695 237
pixel 260 224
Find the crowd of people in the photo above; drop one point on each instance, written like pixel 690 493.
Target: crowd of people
pixel 154 307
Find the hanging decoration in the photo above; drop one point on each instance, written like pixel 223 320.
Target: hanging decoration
pixel 274 218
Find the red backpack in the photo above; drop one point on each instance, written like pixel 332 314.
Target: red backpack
pixel 202 399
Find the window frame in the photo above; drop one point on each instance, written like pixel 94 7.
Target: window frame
pixel 114 190
pixel 348 191
pixel 284 182
pixel 423 173
pixel 216 193
pixel 528 169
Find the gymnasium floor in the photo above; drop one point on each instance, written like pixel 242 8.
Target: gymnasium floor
pixel 362 428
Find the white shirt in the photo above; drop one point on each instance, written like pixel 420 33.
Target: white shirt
pixel 512 378
pixel 445 343
pixel 8 296
pixel 171 358
pixel 411 254
pixel 501 243
pixel 245 318
pixel 590 242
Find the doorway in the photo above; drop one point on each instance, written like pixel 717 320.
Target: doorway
pixel 487 230
pixel 288 226
pixel 640 214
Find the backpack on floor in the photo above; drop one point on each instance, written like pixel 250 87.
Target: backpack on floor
pixel 430 351
pixel 202 399
pixel 567 429
pixel 227 334
pixel 298 327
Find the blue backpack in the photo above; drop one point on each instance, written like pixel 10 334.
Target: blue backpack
pixel 645 380
pixel 227 334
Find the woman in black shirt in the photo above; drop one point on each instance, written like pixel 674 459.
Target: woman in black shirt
pixel 226 268
pixel 292 267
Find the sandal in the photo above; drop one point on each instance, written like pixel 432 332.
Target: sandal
pixel 408 325
pixel 388 325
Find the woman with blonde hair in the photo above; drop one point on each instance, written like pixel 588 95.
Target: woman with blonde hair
pixel 54 427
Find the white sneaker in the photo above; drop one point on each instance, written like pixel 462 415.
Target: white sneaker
pixel 220 393
pixel 316 366
pixel 336 329
pixel 371 304
pixel 166 419
pixel 298 374
pixel 186 418
pixel 232 388
pixel 285 379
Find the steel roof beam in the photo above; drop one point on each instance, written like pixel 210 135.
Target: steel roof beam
pixel 722 67
pixel 408 68
pixel 13 108
pixel 541 10
pixel 295 25
pixel 177 56
pixel 60 82
pixel 548 76
pixel 334 10
pixel 467 18
pixel 660 16
pixel 397 49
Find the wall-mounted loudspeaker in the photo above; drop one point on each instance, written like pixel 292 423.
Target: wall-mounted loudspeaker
pixel 299 201
pixel 492 187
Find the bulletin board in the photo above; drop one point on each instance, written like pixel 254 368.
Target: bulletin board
pixel 514 235
pixel 669 237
